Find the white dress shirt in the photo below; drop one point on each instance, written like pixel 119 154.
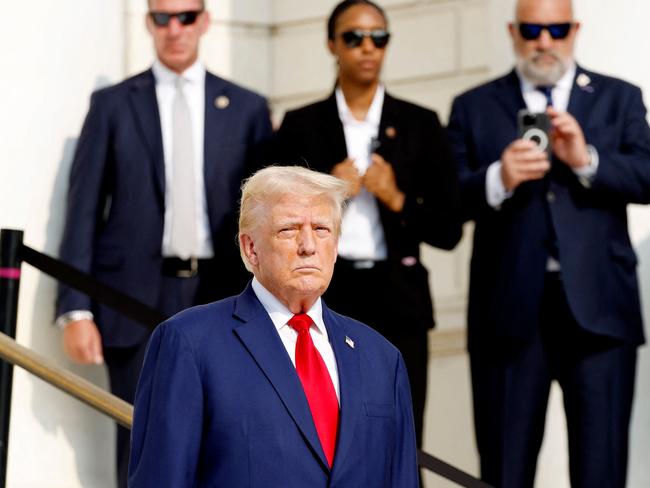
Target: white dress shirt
pixel 495 191
pixel 280 316
pixel 194 91
pixel 362 234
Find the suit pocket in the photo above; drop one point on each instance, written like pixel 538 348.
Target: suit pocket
pixel 379 410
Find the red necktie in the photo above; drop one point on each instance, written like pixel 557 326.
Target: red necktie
pixel 317 384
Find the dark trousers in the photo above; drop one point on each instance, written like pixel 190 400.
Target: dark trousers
pixel 511 387
pixel 124 364
pixel 367 295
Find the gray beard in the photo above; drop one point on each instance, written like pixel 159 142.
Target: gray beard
pixel 539 76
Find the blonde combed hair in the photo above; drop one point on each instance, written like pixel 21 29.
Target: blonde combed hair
pixel 268 185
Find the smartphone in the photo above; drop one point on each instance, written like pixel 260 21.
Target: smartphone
pixel 535 127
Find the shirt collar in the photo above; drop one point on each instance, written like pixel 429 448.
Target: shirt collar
pixel 563 83
pixel 280 314
pixel 374 112
pixel 195 74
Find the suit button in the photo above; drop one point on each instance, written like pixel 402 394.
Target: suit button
pixel 550 196
pixel 419 200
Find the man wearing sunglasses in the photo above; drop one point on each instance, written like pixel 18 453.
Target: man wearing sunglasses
pixel 553 285
pixel 153 196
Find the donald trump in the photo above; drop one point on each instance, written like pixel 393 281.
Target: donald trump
pixel 270 387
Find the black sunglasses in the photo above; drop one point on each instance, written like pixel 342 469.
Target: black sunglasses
pixel 531 32
pixel 354 38
pixel 162 19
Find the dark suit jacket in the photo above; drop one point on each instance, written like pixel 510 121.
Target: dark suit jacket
pixel 114 221
pixel 510 244
pixel 219 403
pixel 413 142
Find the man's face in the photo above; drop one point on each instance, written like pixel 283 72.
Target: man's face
pixel 292 253
pixel 360 64
pixel 544 60
pixel 177 45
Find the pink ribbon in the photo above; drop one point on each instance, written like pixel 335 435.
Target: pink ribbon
pixel 10 273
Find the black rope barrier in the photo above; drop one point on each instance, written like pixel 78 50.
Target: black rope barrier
pixel 150 318
pixel 449 472
pixel 130 307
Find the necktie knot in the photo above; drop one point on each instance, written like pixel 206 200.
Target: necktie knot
pixel 547 91
pixel 300 322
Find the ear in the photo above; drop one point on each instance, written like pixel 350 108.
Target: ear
pixel 512 29
pixel 205 21
pixel 576 27
pixel 330 46
pixel 249 250
pixel 149 23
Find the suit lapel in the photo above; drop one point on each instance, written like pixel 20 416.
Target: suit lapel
pixel 581 98
pixel 218 111
pixel 145 110
pixel 262 341
pixel 389 131
pixel 508 95
pixel 347 361
pixel 332 134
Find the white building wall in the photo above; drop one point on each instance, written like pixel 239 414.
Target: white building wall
pixel 277 47
pixel 54 54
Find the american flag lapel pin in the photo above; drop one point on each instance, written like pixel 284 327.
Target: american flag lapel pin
pixel 349 342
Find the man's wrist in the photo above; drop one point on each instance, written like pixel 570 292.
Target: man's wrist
pixel 67 318
pixel 586 174
pixel 585 160
pixel 495 190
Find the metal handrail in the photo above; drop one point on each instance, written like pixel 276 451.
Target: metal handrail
pixel 75 385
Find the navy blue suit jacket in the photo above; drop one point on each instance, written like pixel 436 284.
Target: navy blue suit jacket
pixel 510 244
pixel 115 212
pixel 219 404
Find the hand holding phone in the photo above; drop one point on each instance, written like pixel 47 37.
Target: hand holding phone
pixel 569 145
pixel 527 158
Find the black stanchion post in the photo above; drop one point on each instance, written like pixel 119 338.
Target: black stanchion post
pixel 11 242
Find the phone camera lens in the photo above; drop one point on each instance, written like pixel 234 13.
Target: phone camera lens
pixel 529 119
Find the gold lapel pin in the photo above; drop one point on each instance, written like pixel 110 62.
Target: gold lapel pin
pixel 583 80
pixel 349 342
pixel 221 101
pixel 390 132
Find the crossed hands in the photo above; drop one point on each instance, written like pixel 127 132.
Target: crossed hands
pixel 379 180
pixel 523 161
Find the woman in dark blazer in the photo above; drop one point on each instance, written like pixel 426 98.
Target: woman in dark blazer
pixel 403 179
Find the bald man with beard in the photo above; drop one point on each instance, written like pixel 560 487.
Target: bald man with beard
pixel 553 287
